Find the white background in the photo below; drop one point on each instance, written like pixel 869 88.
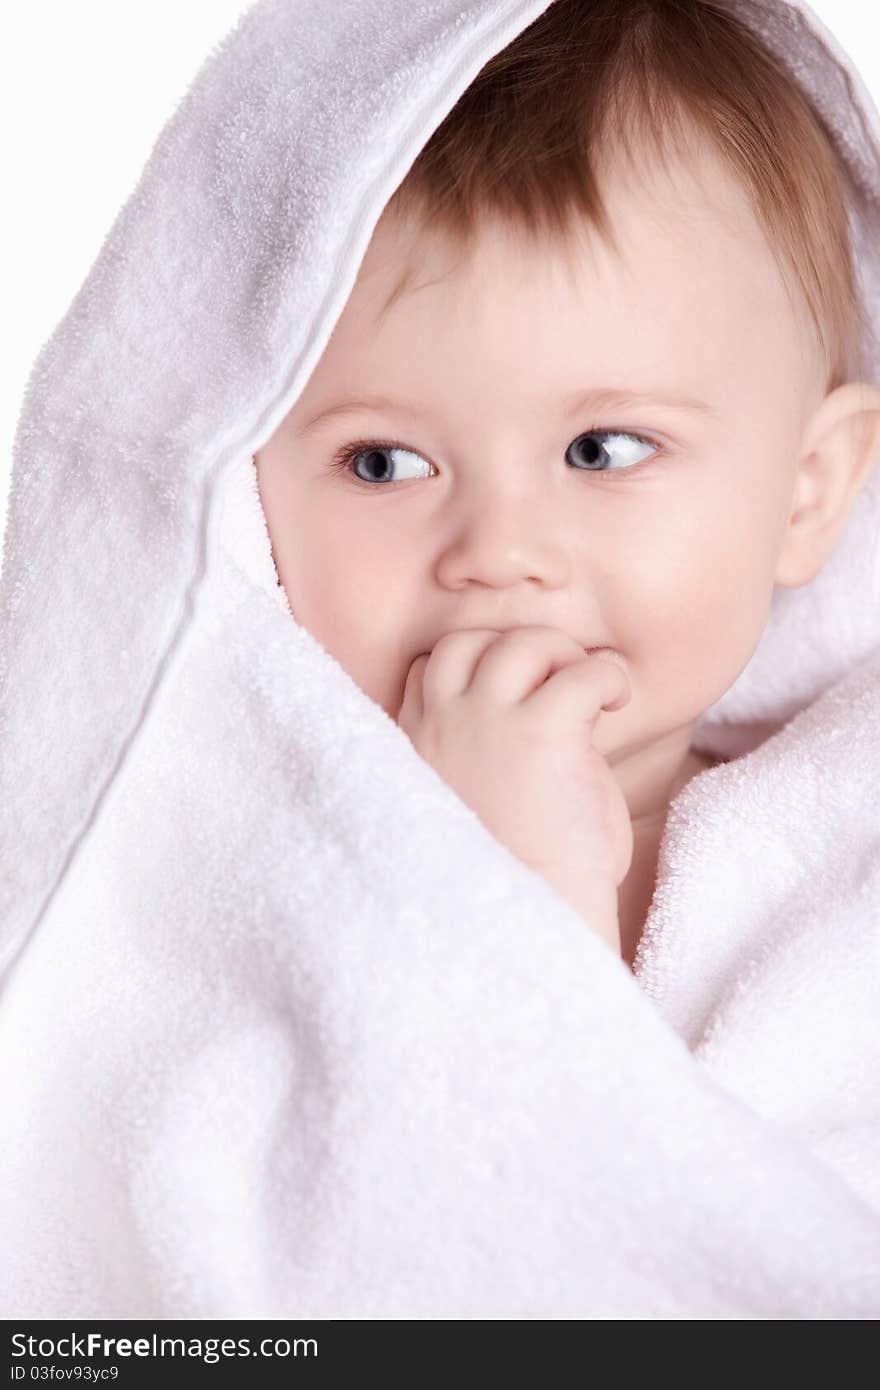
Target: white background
pixel 87 85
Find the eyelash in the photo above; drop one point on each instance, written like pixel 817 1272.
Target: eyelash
pixel 345 456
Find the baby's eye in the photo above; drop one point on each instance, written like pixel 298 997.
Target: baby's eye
pixel 592 457
pixel 376 463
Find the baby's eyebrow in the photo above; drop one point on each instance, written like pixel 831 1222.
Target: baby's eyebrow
pixel 621 398
pixel 361 403
pixel 599 398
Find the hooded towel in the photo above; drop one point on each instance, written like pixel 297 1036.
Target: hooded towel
pixel 250 1067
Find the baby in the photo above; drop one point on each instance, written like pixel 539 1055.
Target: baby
pixel 537 493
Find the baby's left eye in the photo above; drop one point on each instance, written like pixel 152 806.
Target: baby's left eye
pixel 591 456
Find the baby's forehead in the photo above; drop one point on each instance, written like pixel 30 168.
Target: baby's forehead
pixel 688 279
pixel 474 342
pixel 682 219
pixel 678 195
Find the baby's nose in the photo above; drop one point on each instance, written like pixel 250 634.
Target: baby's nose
pixel 506 543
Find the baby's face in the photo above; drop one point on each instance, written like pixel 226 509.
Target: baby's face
pixel 476 499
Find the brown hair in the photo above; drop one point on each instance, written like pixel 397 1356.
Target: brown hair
pixel 528 136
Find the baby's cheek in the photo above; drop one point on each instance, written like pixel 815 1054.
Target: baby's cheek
pixel 719 617
pixel 369 635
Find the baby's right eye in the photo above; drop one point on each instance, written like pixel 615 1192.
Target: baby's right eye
pixel 376 460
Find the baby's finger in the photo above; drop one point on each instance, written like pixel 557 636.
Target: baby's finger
pixel 412 706
pixel 451 664
pixel 583 690
pixel 521 660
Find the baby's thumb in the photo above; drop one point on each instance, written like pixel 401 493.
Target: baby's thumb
pixel 412 706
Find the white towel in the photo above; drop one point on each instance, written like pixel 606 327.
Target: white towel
pixel 248 1067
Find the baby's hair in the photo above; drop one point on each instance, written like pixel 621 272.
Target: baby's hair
pixel 528 136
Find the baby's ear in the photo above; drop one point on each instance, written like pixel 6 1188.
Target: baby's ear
pixel 862 418
pixel 839 451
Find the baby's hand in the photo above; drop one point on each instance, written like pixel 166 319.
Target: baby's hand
pixel 507 720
